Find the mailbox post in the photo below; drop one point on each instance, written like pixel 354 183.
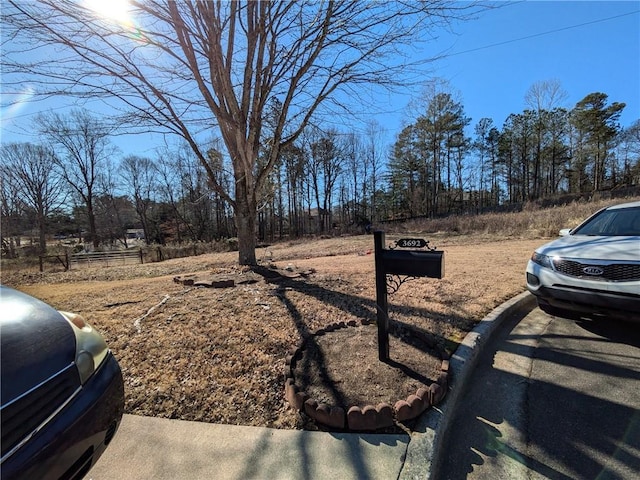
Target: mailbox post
pixel 407 263
pixel 382 305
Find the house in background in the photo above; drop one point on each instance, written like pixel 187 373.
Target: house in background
pixel 135 234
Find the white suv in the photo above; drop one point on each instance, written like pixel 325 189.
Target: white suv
pixel 593 268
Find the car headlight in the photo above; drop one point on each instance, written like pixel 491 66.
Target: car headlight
pixel 91 349
pixel 542 260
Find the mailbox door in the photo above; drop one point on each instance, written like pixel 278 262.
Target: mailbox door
pixel 414 263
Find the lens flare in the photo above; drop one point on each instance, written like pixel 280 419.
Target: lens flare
pixel 116 10
pixel 14 104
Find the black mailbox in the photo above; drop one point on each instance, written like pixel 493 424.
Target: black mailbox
pixel 409 263
pixel 414 263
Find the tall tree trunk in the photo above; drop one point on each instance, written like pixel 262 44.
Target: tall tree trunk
pixel 93 230
pixel 41 231
pixel 245 218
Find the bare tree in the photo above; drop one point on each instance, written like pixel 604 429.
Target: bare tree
pixel 373 165
pixel 139 174
pixel 629 154
pixel 542 97
pixel 185 66
pixel 294 164
pixel 170 185
pixel 546 95
pixel 326 159
pixel 10 215
pixel 84 149
pixel 28 168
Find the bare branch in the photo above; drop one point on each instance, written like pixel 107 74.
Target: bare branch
pixel 191 67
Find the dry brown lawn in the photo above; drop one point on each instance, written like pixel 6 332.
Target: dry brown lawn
pixel 219 355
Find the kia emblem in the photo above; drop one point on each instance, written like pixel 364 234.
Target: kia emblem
pixel 593 271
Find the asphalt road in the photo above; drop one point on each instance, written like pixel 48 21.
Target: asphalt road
pixel 550 398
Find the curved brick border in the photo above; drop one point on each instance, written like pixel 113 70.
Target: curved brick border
pixel 370 417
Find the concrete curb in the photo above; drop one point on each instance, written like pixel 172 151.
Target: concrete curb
pixel 425 443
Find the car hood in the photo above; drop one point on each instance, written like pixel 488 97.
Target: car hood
pixel 36 342
pixel 594 247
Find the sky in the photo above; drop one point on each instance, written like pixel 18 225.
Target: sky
pixel 489 63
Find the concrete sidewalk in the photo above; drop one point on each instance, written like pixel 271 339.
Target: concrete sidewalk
pixel 162 449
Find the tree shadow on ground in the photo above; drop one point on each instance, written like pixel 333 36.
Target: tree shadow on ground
pixel 556 424
pixel 364 310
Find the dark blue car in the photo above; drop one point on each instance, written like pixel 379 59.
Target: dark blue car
pixel 62 391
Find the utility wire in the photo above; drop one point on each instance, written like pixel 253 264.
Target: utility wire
pixel 539 34
pixel 506 42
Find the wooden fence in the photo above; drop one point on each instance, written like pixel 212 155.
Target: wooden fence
pixel 104 259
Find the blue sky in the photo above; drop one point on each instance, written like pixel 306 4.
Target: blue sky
pixel 588 46
pixel 491 62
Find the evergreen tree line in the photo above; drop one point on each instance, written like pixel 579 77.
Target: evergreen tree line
pixel 327 182
pixel 436 169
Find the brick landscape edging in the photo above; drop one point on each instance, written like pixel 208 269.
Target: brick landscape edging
pixel 369 417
